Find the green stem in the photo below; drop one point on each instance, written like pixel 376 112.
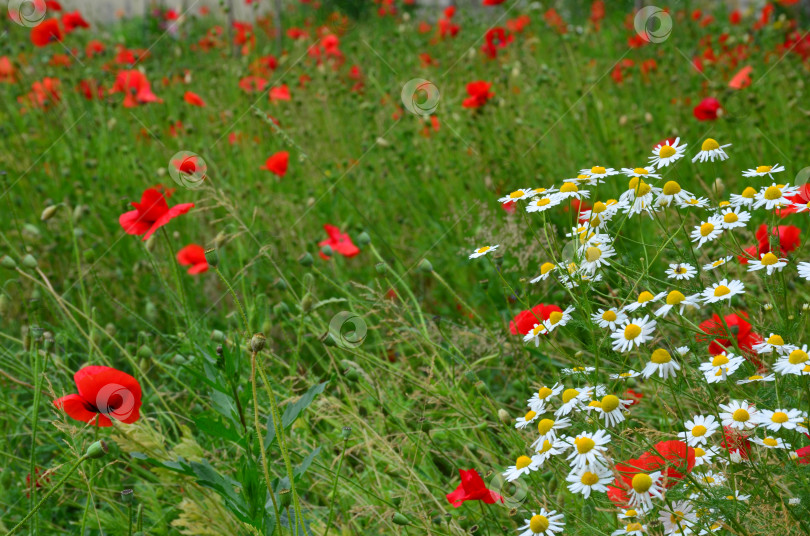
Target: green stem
pixel 236 300
pixel 334 488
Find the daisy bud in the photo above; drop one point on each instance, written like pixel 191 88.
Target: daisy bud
pixel 29 261
pixel 8 262
pixel 97 449
pixel 327 250
pixel 400 519
pixel 305 260
pixel 504 417
pixel 211 257
pixel 217 336
pixel 425 266
pixel 363 239
pixel 48 213
pixel 257 342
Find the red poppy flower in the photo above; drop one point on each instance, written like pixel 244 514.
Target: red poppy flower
pixel 8 73
pixel 53 5
pixel 738 327
pixel 252 84
pixel 479 94
pixel 633 396
pixel 281 92
pixel 736 442
pixel 509 207
pixel 518 24
pixel 472 488
pixel 597 13
pixel 742 79
pixel 707 110
pixel 152 213
pixel 789 238
pixel 492 2
pixel 524 321
pixel 136 88
pixel 194 256
pixel 277 163
pixel 673 458
pixel 339 242
pixel 44 93
pixel 104 393
pixel 46 32
pixel 73 20
pixel 494 39
pixel 735 17
pixel 193 99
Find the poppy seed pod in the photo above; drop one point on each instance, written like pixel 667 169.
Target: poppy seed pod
pixel 8 262
pixel 305 260
pixel 400 519
pixel 29 261
pixel 97 449
pixel 284 498
pixel 257 342
pixel 381 267
pixel 363 239
pixel 327 250
pixel 217 336
pixel 128 496
pixel 346 432
pixel 211 257
pixel 425 266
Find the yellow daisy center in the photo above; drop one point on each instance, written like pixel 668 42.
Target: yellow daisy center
pixel 634 527
pixel 522 462
pixel 740 415
pixel 666 151
pixel 609 403
pixel 676 517
pixel 545 426
pixel 555 317
pixel 640 171
pixel 719 360
pixel 672 188
pixel 542 201
pixel 776 340
pixel 699 431
pixel 772 192
pixel 598 170
pixel 568 395
pixel 771 442
pixel 769 259
pixel 546 268
pixel 699 452
pixel 538 524
pixel 748 193
pixel 764 169
pixel 584 444
pixel 546 446
pixel 544 393
pixel 569 187
pixel 730 217
pixel 675 297
pixel 645 296
pixel 530 415
pixel 706 229
pixel 721 290
pixel 660 356
pixel 709 145
pixel 779 417
pixel 599 207
pixel 755 377
pixel 642 482
pixel 483 249
pixel 609 316
pixel 589 479
pixel 632 331
pixel 723 204
pixel 640 187
pixel 797 357
pixel 516 194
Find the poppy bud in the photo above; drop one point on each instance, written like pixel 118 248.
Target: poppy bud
pixel 306 303
pixel 280 284
pixel 284 498
pixel 400 519
pixel 281 308
pixel 8 262
pixel 128 496
pixel 29 261
pixel 346 432
pixel 97 449
pixel 471 376
pixel 211 257
pixel 327 250
pixel 151 311
pixel 48 213
pixel 89 256
pixel 309 279
pixel 305 260
pixel 503 416
pixel 352 375
pixel 217 336
pixel 381 267
pixel 363 239
pixel 77 212
pixel 35 332
pixel 145 352
pixel 329 340
pixel 150 243
pixel 257 342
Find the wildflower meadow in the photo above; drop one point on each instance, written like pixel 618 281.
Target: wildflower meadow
pixel 374 267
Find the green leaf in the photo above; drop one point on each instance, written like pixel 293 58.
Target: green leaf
pixel 225 486
pixel 292 412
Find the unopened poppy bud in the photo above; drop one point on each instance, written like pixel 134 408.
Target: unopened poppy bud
pixel 284 498
pixel 211 257
pixel 97 449
pixel 329 340
pixel 381 267
pixel 151 311
pixel 307 302
pixel 504 417
pixel 89 256
pixel 257 342
pixel 425 266
pixel 36 332
pixel 29 261
pixel 352 375
pixel 281 308
pixel 150 243
pixel 8 262
pixel 327 250
pixel 145 352
pixel 309 279
pixel 471 376
pixel 280 284
pixel 305 260
pixel 48 213
pixel 217 336
pixel 128 496
pixel 363 239
pixel 400 519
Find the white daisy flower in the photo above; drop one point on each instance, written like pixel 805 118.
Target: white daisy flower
pixel 526 420
pixel 573 399
pixel 625 375
pixel 770 442
pixel 664 155
pixel 719 262
pixel 779 419
pixel 681 270
pixel 631 529
pixel 707 231
pixel 545 523
pixel 599 172
pixel 724 290
pixel 761 171
pixel 744 199
pixel 796 362
pixel 549 447
pixel 577 370
pixel 644 299
pixel 711 150
pixel 734 217
pixel 482 251
pixel 705 456
pixel 584 179
pixel 738 415
pixel 804 270
pixel 711 479
pixel 738 496
pixel 611 408
pixel 545 270
pixel 608 318
pixel 542 191
pixel 720 367
pixel 558 319
pixel 693 202
pixel 632 333
pixel 631 513
pixel 535 333
pixel 776 343
pixel 641 172
pixel 644 487
pixel 774 196
pixel 638 197
pixel 588 448
pixel 523 466
pixel 548 430
pixel 570 190
pixel 517 195
pixel 661 362
pixel 672 191
pixel 596 257
pixel 541 204
pixel 541 397
pixel 757 378
pixel 678 518
pixel 698 429
pixel 677 299
pixel 589 478
pixel 769 261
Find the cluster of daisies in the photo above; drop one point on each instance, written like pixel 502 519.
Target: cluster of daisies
pixel 632 325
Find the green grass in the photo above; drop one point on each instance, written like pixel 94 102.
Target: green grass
pixel 421 393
